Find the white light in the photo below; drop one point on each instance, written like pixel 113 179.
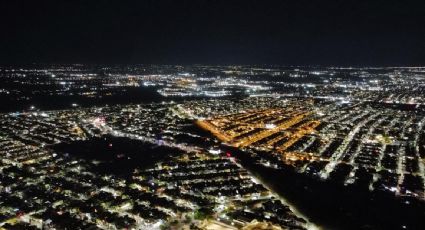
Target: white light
pixel 270 126
pixel 214 151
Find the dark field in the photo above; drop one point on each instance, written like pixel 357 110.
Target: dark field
pixel 119 156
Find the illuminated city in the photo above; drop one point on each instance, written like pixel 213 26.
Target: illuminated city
pixel 212 115
pixel 197 160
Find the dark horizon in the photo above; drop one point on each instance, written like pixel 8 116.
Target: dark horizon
pixel 301 33
pixel 259 65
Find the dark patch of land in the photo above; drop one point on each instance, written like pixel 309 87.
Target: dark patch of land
pixel 46 101
pixel 117 155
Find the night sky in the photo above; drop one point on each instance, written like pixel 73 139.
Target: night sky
pixel 301 32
